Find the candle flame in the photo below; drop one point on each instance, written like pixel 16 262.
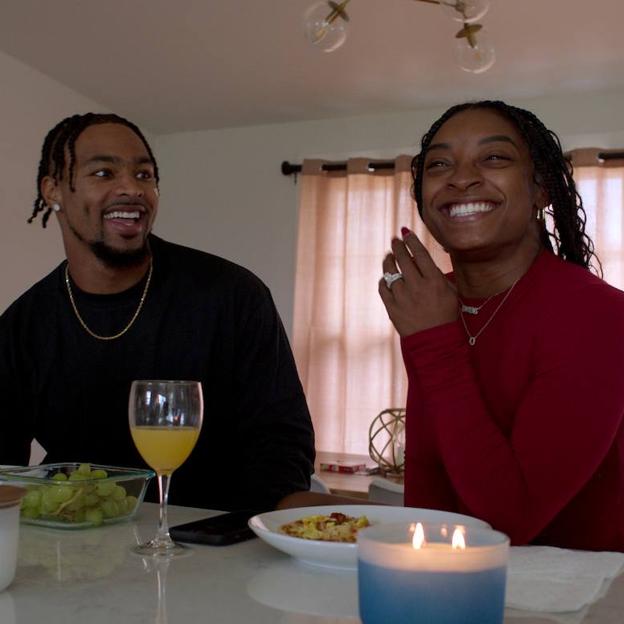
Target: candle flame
pixel 458 541
pixel 418 540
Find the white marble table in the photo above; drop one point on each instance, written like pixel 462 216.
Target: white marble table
pixel 91 577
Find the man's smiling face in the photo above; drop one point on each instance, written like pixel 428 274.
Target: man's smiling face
pixel 114 200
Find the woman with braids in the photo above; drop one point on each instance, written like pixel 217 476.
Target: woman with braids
pixel 515 408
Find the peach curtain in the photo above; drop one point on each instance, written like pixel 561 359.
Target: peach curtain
pixel 347 351
pixel 601 185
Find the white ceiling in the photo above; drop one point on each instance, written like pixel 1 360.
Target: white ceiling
pixel 174 65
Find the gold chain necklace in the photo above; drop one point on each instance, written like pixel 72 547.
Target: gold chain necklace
pixel 134 316
pixel 473 339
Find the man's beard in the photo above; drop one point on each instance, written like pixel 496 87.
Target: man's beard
pixel 111 257
pixel 119 258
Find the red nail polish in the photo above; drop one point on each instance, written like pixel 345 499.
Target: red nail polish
pixel 405 231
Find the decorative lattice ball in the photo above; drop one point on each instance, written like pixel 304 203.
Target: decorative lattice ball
pixel 386 440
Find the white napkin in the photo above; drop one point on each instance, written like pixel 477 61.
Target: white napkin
pixel 556 580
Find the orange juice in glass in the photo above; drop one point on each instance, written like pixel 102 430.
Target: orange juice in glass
pixel 165 420
pixel 164 448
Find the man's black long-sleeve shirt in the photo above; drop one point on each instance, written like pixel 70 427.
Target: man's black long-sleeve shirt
pixel 204 318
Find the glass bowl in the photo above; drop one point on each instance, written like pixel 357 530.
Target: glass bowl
pixel 77 496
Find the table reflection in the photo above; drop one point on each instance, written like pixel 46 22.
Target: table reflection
pixel 159 566
pixel 7 608
pixel 86 554
pixel 301 589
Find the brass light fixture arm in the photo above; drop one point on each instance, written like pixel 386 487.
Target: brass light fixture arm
pixel 469 30
pixel 458 5
pixel 338 10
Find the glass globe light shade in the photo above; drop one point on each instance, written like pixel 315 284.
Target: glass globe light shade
pixel 466 11
pixel 476 58
pixel 324 34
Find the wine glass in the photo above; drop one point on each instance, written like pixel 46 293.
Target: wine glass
pixel 165 420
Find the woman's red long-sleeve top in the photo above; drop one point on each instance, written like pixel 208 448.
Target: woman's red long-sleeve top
pixel 525 429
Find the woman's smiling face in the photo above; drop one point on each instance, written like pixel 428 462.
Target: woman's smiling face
pixel 479 190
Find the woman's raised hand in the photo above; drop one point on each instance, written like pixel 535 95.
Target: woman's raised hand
pixel 423 297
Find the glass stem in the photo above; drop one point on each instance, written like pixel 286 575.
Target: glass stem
pixel 161 576
pixel 163 536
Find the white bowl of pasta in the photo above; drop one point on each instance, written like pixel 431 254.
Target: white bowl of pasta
pixel 334 554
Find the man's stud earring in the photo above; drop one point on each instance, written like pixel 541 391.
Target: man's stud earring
pixel 56 207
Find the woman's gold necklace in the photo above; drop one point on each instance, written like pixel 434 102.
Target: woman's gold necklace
pixel 130 323
pixel 473 339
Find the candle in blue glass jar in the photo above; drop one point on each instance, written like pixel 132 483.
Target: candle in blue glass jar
pixel 425 573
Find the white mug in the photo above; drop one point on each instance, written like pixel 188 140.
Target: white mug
pixel 10 498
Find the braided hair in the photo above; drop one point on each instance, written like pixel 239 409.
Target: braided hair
pixel 64 136
pixel 553 170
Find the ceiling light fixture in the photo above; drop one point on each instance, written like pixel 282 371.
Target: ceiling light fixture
pixel 326 27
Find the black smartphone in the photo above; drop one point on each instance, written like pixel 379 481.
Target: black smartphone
pixel 221 530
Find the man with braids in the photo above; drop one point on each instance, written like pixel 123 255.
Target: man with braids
pixel 127 305
pixel 515 407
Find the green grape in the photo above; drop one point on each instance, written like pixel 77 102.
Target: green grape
pixel 47 507
pixel 91 499
pixel 130 503
pixel 99 474
pixel 84 469
pixel 105 489
pixel 110 508
pixel 32 498
pixel 53 495
pixel 59 476
pixel 118 493
pixel 77 502
pixel 64 493
pixel 94 515
pixel 78 476
pixel 30 512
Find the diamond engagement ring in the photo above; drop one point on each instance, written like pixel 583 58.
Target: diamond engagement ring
pixel 390 278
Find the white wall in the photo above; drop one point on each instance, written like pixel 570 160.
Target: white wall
pixel 30 104
pixel 222 190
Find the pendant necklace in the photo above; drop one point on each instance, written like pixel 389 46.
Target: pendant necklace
pixel 468 309
pixel 472 339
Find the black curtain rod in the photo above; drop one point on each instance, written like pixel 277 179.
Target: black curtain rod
pixel 377 165
pixel 380 165
pixel 610 155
